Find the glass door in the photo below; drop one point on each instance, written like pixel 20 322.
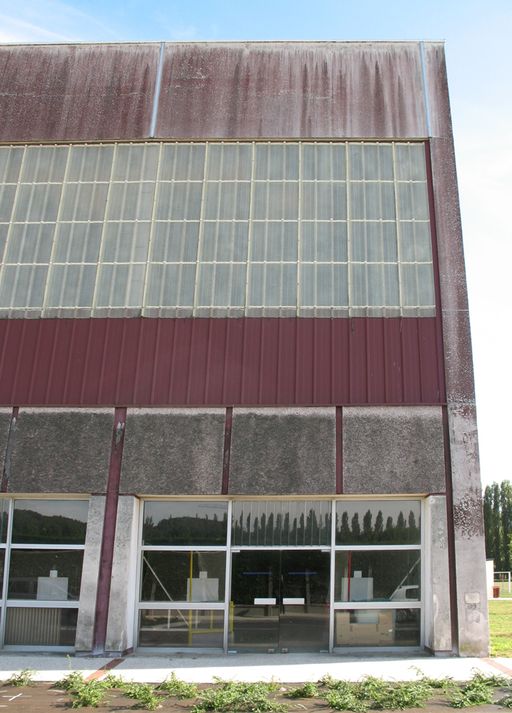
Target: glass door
pixel 280 600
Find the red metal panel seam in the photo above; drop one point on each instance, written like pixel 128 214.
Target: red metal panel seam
pixel 109 532
pixel 4 485
pixel 451 533
pixel 339 450
pixel 37 351
pixel 228 426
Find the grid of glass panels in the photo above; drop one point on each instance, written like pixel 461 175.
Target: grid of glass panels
pixel 41 556
pixel 215 229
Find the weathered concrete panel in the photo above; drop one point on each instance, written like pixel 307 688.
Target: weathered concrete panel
pixel 76 92
pixel 283 451
pixel 292 89
pixel 61 451
pixel 469 531
pixel 5 424
pixel 90 569
pixel 437 90
pixel 438 630
pixel 393 450
pixel 173 452
pixel 123 591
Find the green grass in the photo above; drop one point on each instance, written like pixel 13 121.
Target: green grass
pixel 500 625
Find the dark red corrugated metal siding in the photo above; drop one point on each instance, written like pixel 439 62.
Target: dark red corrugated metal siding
pixel 158 362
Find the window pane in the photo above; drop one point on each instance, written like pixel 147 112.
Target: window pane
pixel 371 162
pixel 23 286
pixel 229 162
pixel 50 522
pixel 324 201
pixel 185 523
pixel 126 242
pixel 417 285
pixel 275 201
pixel 71 286
pixel 183 576
pixel 273 285
pixel 277 162
pixel 375 285
pixel 181 628
pixel 377 627
pixel 170 286
pixel 226 201
pixel 135 162
pixel 378 576
pixel 323 162
pixel 120 285
pixel 40 627
pixel 324 242
pixel 378 522
pixel 372 201
pixel 10 163
pixel 175 242
pixel 274 241
pixel 2 562
pixel 373 242
pixel 84 201
pixel 415 243
pixel 182 162
pixel 47 575
pixel 4 519
pixel 37 202
pixel 222 285
pixel 90 163
pixel 412 201
pixel 178 201
pixel 44 164
pixel 131 201
pixel 225 242
pixel 410 162
pixel 30 243
pixel 7 194
pixel 78 242
pixel 324 286
pixel 267 523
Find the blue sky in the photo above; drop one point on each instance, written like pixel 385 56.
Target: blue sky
pixel 477 36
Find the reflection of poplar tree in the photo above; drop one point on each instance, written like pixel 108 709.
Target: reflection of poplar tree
pixel 345 528
pixel 413 529
pixel 388 533
pixel 286 529
pixel 269 539
pixel 263 528
pixel 301 528
pixel 379 525
pixel 356 528
pixel 278 530
pixel 367 526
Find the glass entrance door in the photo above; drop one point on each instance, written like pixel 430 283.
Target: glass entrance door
pixel 280 600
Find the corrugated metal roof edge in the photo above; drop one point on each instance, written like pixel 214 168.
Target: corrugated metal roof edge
pixel 220 42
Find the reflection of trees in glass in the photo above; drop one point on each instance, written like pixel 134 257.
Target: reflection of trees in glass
pixel 403 531
pixel 278 528
pixel 30 527
pixel 185 530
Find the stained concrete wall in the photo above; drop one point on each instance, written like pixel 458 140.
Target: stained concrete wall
pixel 5 424
pixel 121 613
pixel 438 628
pixel 283 451
pixel 61 451
pixel 173 452
pixel 90 570
pixel 393 450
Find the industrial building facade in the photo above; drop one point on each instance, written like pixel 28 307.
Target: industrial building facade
pixel 237 404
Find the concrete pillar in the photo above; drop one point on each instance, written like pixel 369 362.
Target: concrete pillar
pixel 90 569
pixel 438 628
pixel 123 591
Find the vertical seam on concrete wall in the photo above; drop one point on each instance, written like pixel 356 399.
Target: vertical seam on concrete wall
pixel 451 532
pixel 11 437
pixel 437 283
pixel 109 532
pixel 228 427
pixel 156 95
pixel 424 83
pixel 339 450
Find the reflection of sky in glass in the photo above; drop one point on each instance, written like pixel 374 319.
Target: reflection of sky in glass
pixel 73 509
pixel 158 511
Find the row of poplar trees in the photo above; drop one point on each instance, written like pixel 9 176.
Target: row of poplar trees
pixel 498 524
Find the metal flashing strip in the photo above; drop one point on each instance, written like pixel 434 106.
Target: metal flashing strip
pixel 156 96
pixel 424 83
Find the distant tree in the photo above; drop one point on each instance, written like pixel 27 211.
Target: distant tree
pixel 506 520
pixel 367 526
pixel 497 504
pixel 379 525
pixel 356 527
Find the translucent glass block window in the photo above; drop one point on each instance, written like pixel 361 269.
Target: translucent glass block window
pixel 215 229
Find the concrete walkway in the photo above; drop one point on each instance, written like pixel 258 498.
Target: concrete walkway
pixel 288 668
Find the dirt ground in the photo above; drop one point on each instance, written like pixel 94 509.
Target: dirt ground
pixel 42 698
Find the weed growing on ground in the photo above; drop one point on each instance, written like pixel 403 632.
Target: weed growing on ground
pixel 143 693
pixel 345 700
pixel 239 697
pixel 23 678
pixel 112 681
pixel 444 684
pixel 88 694
pixel 308 690
pixel 176 688
pixel 71 682
pixel 398 696
pixel 474 693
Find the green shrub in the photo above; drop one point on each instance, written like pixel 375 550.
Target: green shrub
pixel 239 697
pixel 143 693
pixel 88 694
pixel 308 690
pixel 176 688
pixel 23 678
